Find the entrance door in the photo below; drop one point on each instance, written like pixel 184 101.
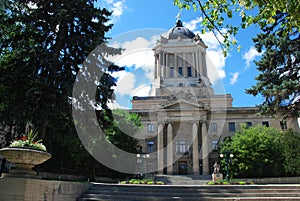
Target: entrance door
pixel 182 167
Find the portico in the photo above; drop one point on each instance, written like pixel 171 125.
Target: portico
pixel 181 136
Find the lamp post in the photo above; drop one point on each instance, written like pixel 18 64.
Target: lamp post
pixel 228 156
pixel 140 159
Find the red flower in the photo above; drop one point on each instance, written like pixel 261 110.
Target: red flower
pixel 24 137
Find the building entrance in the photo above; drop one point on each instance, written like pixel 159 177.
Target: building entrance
pixel 182 167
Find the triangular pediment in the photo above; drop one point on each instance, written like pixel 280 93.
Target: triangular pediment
pixel 182 104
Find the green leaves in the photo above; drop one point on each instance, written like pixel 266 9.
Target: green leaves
pixel 257 152
pixel 291 152
pixel 124 127
pixel 216 12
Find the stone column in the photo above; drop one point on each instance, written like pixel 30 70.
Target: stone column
pixel 164 65
pixel 205 163
pixel 200 63
pixel 159 65
pixel 167 66
pixel 170 149
pixel 184 65
pixel 203 57
pixel 160 145
pixel 195 148
pixel 168 71
pixel 194 71
pixel 155 68
pixel 175 61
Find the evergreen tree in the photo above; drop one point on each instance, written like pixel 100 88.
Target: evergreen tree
pixel 279 66
pixel 43 47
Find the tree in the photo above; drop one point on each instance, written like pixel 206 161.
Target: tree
pixel 43 47
pixel 121 132
pixel 256 151
pixel 279 66
pixel 291 152
pixel 263 152
pixel 218 12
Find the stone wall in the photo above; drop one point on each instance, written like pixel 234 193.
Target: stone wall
pixel 26 189
pixel 64 177
pixel 275 180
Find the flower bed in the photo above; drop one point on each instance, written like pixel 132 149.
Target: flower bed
pixel 231 182
pixel 143 181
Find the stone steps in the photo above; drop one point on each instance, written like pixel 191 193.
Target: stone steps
pixel 191 192
pixel 184 179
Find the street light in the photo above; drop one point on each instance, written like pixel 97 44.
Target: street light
pixel 140 159
pixel 228 156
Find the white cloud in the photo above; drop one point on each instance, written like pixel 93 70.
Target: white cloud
pixel 214 57
pixel 234 77
pixel 142 91
pixel 137 53
pixel 115 105
pixel 117 7
pixel 138 59
pixel 125 84
pixel 215 65
pixel 192 25
pixel 250 55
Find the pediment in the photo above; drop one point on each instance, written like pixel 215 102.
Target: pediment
pixel 182 104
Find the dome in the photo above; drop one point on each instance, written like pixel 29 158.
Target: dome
pixel 180 31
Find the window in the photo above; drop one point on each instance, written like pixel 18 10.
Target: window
pixel 180 73
pixel 265 123
pixel 150 146
pixel 249 124
pixel 214 127
pixel 182 147
pixel 171 71
pixel 150 128
pixel 180 85
pixel 189 71
pixel 283 125
pixel 214 145
pixel 231 126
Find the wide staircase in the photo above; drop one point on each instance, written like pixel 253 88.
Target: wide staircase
pixel 131 192
pixel 184 179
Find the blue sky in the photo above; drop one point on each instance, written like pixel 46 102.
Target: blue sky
pixel 138 24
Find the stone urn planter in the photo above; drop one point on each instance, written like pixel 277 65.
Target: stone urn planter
pixel 24 159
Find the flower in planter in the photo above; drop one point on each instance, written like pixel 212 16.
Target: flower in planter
pixel 29 140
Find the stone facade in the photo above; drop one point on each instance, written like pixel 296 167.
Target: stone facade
pixel 184 120
pixel 27 189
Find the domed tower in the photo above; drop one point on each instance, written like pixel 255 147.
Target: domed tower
pixel 180 63
pixel 178 112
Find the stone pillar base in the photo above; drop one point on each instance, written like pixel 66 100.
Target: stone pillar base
pixel 217 177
